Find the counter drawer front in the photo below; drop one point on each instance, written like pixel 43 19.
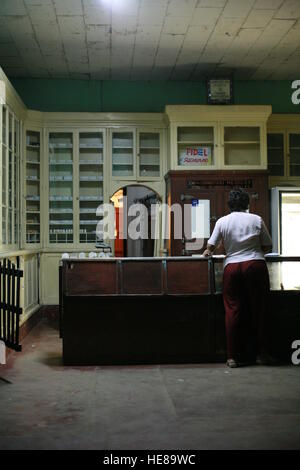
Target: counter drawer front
pixel 142 278
pixel 187 277
pixel 86 278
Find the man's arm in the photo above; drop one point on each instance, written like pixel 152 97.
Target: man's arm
pixel 265 238
pixel 213 241
pixel 209 250
pixel 266 248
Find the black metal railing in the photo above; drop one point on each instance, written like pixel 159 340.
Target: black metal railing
pixel 10 310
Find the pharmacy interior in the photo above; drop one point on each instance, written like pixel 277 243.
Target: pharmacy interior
pixel 58 169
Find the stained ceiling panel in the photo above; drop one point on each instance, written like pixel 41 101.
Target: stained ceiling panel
pixel 150 39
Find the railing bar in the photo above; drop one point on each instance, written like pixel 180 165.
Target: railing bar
pixel 10 309
pixel 1 309
pixel 13 314
pixel 4 299
pixel 18 309
pixel 8 322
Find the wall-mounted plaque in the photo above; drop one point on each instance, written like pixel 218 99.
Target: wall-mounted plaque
pixel 219 91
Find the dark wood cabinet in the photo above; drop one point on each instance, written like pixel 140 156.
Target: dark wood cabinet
pixel 182 187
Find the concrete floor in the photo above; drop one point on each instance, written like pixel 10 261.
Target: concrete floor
pixel 48 406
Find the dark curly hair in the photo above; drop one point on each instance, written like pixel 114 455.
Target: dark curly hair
pixel 238 200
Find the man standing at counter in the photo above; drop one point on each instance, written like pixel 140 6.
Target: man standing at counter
pixel 246 281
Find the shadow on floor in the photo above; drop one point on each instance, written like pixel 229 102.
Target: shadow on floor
pixel 52 360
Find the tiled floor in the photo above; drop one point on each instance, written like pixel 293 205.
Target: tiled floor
pixel 48 406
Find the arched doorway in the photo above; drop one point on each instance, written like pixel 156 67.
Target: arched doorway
pixel 123 199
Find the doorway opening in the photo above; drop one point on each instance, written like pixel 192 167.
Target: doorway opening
pixel 123 200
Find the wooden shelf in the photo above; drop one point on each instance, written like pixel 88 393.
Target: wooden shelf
pixel 252 142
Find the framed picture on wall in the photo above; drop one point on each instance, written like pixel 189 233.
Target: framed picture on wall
pixel 219 91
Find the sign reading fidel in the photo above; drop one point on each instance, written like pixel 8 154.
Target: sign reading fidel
pixel 195 156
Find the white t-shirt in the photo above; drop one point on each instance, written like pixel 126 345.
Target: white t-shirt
pixel 243 235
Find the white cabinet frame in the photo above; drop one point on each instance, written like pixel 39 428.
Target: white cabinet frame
pixel 75 186
pixel 219 117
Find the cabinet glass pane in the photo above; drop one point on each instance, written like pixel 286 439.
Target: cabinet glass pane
pixel 4 124
pixel 122 154
pixel 149 154
pixel 242 145
pixel 60 187
pixel 195 146
pixel 16 147
pixel 4 175
pixel 10 179
pixel 90 183
pixel 276 154
pixel 33 187
pixel 294 147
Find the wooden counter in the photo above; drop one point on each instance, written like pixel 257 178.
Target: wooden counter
pixel 154 310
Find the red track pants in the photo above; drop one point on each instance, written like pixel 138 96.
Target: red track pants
pixel 246 287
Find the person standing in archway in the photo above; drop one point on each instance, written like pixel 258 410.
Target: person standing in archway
pixel 245 278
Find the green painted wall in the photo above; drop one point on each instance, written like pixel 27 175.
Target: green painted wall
pixel 142 96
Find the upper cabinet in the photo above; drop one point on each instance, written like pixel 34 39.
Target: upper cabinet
pixel 33 187
pixel 61 182
pixel 149 154
pixel 73 164
pixel 75 185
pixel 242 146
pixel 91 181
pixel 136 154
pixel 218 137
pixel 196 145
pixel 10 178
pixel 123 150
pixel 283 144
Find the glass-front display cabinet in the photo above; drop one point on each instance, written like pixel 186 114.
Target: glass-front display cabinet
pixel 75 185
pixel 123 153
pixel 149 154
pixel 242 146
pixel 218 137
pixel 61 187
pixel 90 183
pixel 275 146
pixel 33 187
pixel 135 154
pixel 196 146
pixel 284 150
pixel 283 273
pixel 10 162
pixel 294 154
pixel 4 176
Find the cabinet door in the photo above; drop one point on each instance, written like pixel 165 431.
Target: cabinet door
pixel 123 154
pixel 61 187
pixel 149 144
pixel 16 146
pixel 294 154
pixel 197 222
pixel 242 146
pixel 275 146
pixel 10 179
pixel 196 146
pixel 4 175
pixel 90 183
pixel 32 195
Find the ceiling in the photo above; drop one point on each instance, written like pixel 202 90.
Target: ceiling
pixel 150 39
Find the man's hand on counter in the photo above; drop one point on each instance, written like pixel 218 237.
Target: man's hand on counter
pixel 207 253
pixel 209 250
